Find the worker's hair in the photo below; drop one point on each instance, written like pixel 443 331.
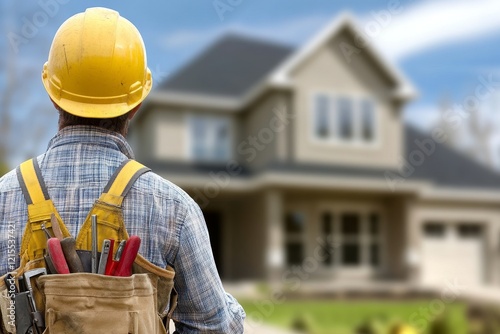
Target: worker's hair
pixel 117 124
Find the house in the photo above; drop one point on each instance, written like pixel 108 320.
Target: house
pixel 300 158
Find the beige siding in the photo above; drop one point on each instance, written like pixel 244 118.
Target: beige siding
pixel 261 122
pixel 171 135
pixel 328 71
pixel 249 238
pixel 396 246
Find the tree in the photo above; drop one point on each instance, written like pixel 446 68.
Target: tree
pixel 469 131
pixel 23 118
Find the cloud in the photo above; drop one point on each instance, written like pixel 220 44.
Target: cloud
pixel 294 31
pixel 424 117
pixel 432 24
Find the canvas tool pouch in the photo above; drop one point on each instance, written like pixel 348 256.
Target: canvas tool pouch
pixel 84 302
pixel 88 303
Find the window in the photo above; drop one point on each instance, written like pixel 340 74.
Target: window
pixel 344 119
pixel 359 237
pixel 322 126
pixel 467 231
pixel 294 232
pixel 210 138
pixel 294 253
pixel 351 254
pixel 327 228
pixel 350 224
pixel 367 121
pixel 434 230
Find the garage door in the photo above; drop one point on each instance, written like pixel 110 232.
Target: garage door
pixel 453 252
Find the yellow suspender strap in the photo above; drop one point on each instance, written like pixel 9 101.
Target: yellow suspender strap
pixel 31 181
pixel 121 182
pixel 40 210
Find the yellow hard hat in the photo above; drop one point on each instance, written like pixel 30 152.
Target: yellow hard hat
pixel 97 65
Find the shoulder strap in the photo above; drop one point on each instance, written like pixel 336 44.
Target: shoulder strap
pixel 108 208
pixel 40 210
pixel 122 180
pixel 31 182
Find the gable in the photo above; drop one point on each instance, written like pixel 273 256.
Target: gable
pixel 330 67
pixel 353 45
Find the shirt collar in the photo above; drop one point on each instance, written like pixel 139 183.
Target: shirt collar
pixel 92 135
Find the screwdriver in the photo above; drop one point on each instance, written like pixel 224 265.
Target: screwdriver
pixel 94 244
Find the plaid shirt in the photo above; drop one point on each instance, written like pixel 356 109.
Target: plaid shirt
pixel 76 167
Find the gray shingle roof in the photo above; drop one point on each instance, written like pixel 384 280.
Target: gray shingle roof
pixel 229 67
pixel 448 167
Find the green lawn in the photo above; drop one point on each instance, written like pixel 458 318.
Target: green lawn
pixel 341 317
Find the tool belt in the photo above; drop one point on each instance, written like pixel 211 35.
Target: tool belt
pixel 35 301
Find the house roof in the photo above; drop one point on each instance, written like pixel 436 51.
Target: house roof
pixel 448 167
pixel 230 67
pixel 231 71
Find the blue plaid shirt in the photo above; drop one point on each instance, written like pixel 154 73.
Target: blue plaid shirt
pixel 76 167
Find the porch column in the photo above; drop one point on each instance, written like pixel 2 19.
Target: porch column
pixel 275 254
pixel 412 257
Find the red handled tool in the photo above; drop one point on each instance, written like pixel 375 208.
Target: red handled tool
pixel 57 256
pixel 124 267
pixel 111 265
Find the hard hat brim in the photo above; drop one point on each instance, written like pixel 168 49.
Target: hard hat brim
pixel 81 108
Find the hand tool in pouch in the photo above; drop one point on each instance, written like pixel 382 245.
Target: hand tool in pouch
pixel 94 244
pixel 57 256
pixel 72 258
pixel 28 318
pixel 124 267
pixel 110 268
pixel 104 256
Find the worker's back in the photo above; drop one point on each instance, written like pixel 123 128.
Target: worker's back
pixel 76 169
pixel 79 162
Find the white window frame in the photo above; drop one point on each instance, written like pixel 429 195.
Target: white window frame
pixel 210 118
pixel 335 140
pixel 365 268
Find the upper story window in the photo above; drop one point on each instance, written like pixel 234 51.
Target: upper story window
pixel 210 138
pixel 344 119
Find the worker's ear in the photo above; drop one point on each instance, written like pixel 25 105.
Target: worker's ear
pixel 132 112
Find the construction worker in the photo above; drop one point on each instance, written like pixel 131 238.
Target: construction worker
pixel 97 77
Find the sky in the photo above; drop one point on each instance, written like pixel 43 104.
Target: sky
pixel 444 47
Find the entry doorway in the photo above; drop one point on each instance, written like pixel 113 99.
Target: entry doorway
pixel 214 223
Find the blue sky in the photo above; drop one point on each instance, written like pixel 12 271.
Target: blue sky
pixel 441 45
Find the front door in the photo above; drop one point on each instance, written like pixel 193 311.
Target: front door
pixel 214 225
